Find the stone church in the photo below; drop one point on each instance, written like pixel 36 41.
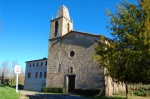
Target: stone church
pixel 69 64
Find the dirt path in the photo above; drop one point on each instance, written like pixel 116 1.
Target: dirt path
pixel 38 95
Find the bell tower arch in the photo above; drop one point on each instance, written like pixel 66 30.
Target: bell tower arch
pixel 62 24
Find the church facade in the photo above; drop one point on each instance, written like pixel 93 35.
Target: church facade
pixel 70 64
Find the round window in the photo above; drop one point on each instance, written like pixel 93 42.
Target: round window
pixel 72 53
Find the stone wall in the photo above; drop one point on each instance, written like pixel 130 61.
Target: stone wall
pixel 87 74
pixel 112 87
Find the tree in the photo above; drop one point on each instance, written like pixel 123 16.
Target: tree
pixel 9 74
pixel 127 55
pixel 5 69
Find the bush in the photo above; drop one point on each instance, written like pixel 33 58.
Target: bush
pixel 89 92
pixel 139 93
pixel 20 87
pixel 142 91
pixel 53 90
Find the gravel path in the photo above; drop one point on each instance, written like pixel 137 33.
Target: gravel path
pixel 38 95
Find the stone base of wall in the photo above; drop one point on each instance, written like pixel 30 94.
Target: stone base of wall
pixel 89 92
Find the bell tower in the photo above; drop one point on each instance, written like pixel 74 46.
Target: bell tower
pixel 62 24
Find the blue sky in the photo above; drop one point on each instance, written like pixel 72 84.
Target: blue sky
pixel 25 24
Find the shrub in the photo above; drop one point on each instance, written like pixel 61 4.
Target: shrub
pixel 20 86
pixel 89 92
pixel 142 92
pixel 53 90
pixel 138 93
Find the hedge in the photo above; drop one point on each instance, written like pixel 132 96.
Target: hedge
pixel 89 92
pixel 53 90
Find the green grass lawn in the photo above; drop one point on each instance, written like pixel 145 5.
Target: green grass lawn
pixel 8 93
pixel 111 97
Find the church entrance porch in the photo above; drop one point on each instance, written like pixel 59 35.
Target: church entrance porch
pixel 71 83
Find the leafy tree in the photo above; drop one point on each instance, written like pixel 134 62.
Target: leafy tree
pixel 127 55
pixel 9 75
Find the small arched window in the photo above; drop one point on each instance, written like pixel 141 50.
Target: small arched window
pixel 71 70
pixel 56 28
pixel 68 25
pixel 59 67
